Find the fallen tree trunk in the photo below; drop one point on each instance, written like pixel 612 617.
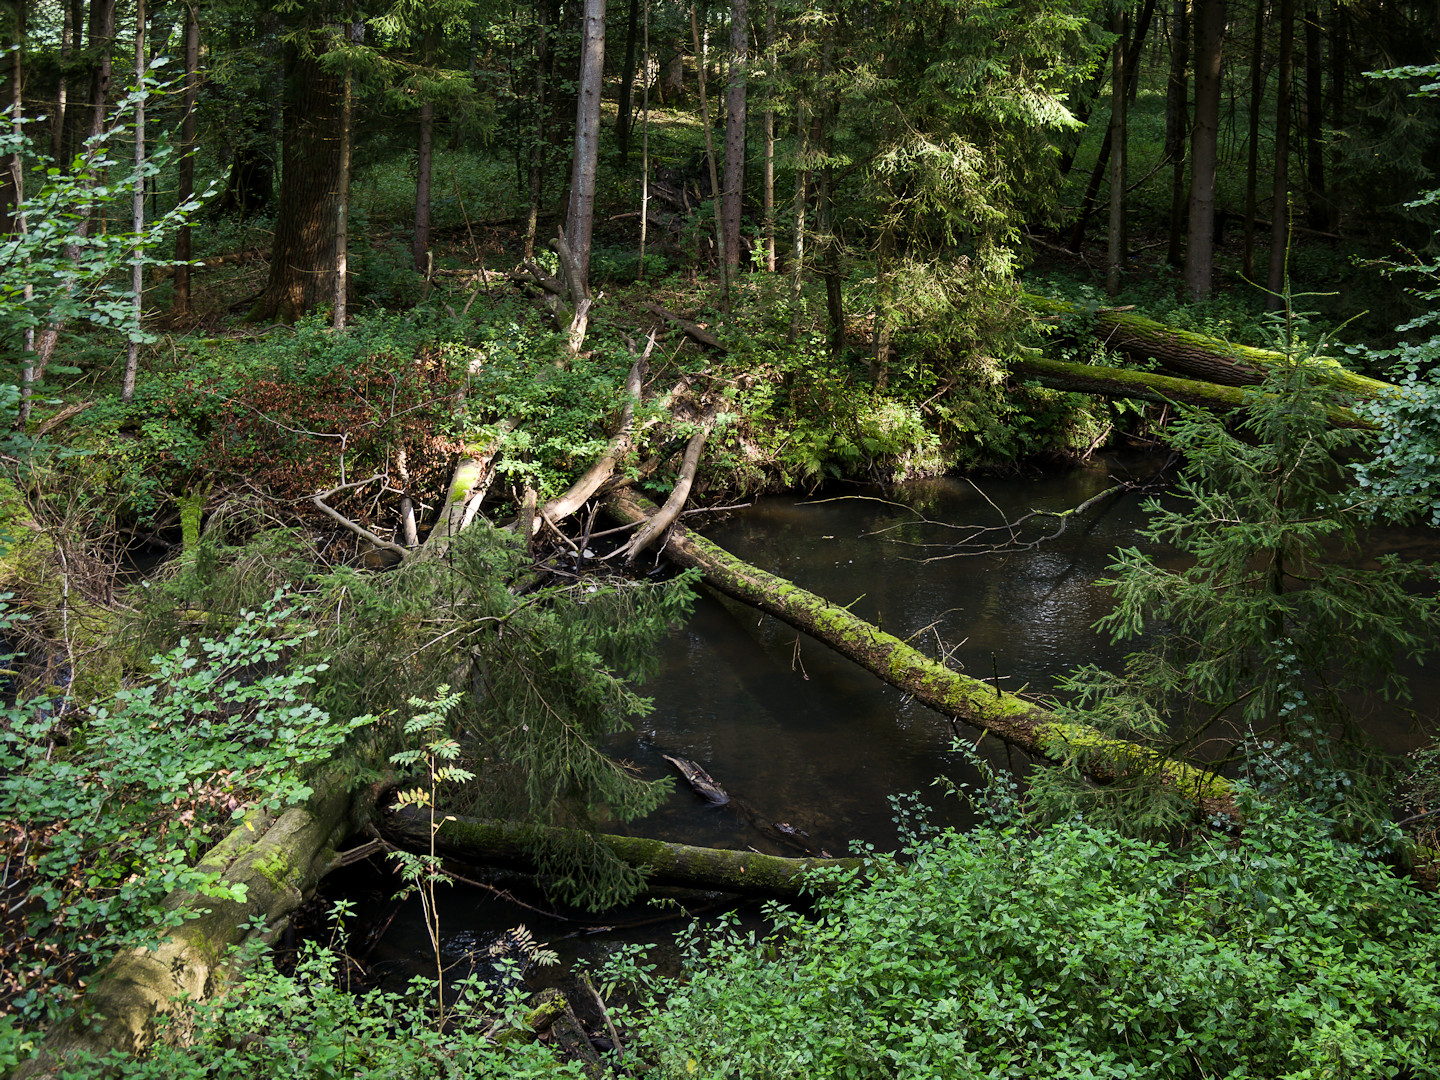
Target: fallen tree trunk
pixel 1147 386
pixel 277 859
pixel 1194 355
pixel 668 864
pixel 971 701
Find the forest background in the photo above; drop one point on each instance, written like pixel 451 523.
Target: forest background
pixel 431 251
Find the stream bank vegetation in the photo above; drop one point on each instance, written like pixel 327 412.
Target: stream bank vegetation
pixel 400 487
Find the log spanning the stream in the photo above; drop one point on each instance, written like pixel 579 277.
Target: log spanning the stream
pixel 950 693
pixel 665 863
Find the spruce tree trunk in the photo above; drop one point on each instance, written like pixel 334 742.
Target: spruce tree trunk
pixel 797 249
pixel 342 188
pixel 580 218
pixel 180 298
pixel 1316 204
pixel 733 196
pixel 1177 118
pixel 1280 191
pixel 627 84
pixel 302 259
pixel 538 129
pixel 420 243
pixel 1119 97
pixel 137 205
pixel 12 173
pixel 701 62
pixel 1252 164
pixel 1204 147
pixel 69 32
pixel 767 182
pixel 102 40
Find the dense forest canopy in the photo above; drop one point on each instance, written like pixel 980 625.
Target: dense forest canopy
pixel 357 329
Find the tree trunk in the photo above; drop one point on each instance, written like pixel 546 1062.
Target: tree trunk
pixel 180 298
pixel 1119 97
pixel 1280 191
pixel 948 692
pixel 1316 204
pixel 580 218
pixel 102 40
pixel 767 181
pixel 1196 356
pixel 137 219
pixel 701 62
pixel 1204 147
pixel 1111 382
pixel 665 863
pixel 797 249
pixel 627 84
pixel 12 173
pixel 69 33
pixel 537 134
pixel 420 243
pixel 733 194
pixel 278 861
pixel 1102 159
pixel 302 260
pixel 1252 164
pixel 1177 118
pixel 342 192
pixel 645 149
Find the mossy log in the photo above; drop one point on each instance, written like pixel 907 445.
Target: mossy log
pixel 667 863
pixel 1195 355
pixel 950 693
pixel 278 859
pixel 1146 386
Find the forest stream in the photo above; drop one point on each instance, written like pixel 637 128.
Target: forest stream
pixel 811 747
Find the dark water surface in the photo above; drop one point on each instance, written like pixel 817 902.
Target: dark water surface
pixel 800 736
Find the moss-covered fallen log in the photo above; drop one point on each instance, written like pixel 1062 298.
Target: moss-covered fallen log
pixel 1194 355
pixel 950 693
pixel 1116 382
pixel 277 859
pixel 489 842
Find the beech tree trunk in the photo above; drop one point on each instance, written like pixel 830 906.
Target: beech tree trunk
pixel 180 297
pixel 948 692
pixel 1204 147
pixel 302 260
pixel 1280 191
pixel 580 218
pixel 733 193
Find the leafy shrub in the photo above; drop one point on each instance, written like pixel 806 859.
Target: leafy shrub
pixel 1078 952
pixel 102 830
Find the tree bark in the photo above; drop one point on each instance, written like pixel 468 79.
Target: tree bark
pixel 1204 147
pixel 623 123
pixel 69 32
pixel 1252 163
pixel 1280 190
pixel 767 181
pixel 12 172
pixel 538 128
pixel 733 194
pixel 342 186
pixel 277 859
pixel 666 863
pixel 797 243
pixel 101 41
pixel 701 62
pixel 948 692
pixel 302 259
pixel 1197 356
pixel 1317 206
pixel 1111 382
pixel 1119 98
pixel 420 243
pixel 180 297
pixel 580 218
pixel 1177 116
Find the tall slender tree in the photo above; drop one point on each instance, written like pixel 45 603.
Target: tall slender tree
pixel 180 297
pixel 1280 190
pixel 733 195
pixel 1204 147
pixel 580 216
pixel 137 269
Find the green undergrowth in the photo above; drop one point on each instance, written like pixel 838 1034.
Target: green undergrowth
pixel 1072 951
